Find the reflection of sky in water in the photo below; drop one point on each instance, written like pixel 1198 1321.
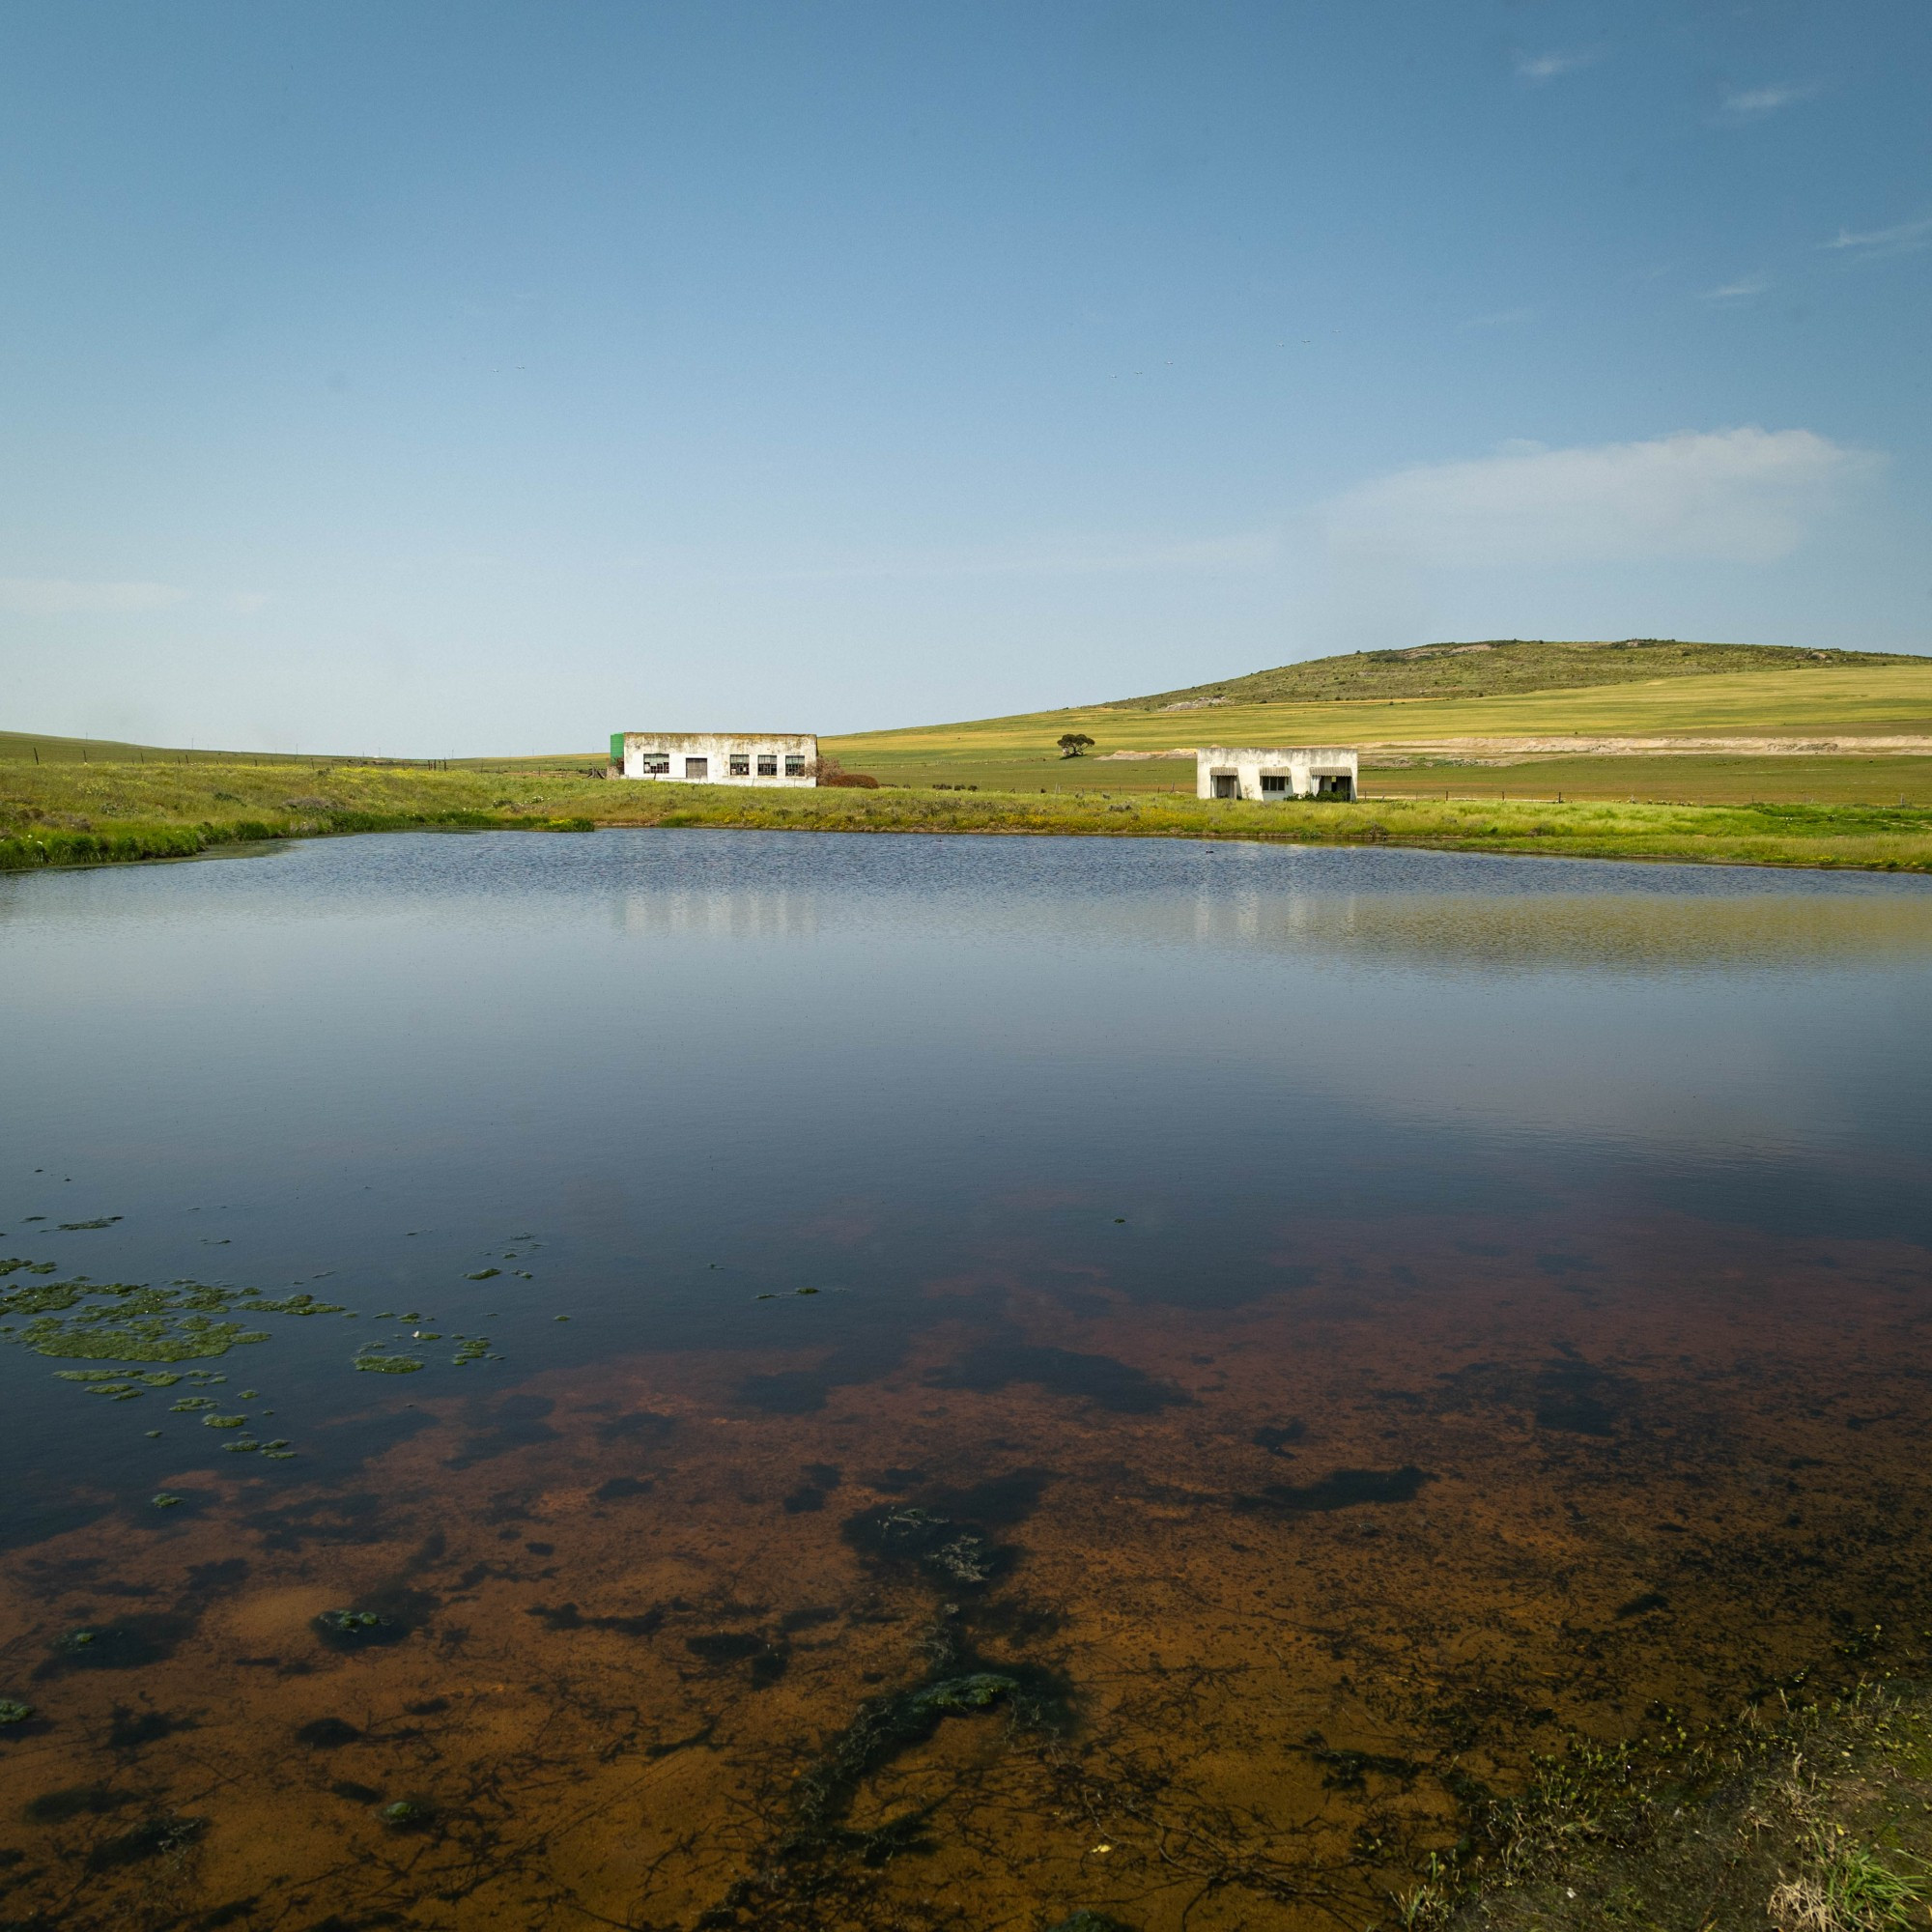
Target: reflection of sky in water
pixel 968 1010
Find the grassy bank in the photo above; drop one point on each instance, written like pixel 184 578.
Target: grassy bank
pixel 94 815
pixel 1796 1816
pixel 1888 839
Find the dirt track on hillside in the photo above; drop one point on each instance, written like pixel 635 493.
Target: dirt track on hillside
pixel 1577 745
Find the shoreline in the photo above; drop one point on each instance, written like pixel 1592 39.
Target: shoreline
pixel 74 818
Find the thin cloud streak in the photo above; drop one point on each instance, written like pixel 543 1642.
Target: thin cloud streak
pixel 1754 103
pixel 1736 291
pixel 1536 69
pixel 66 597
pixel 1902 239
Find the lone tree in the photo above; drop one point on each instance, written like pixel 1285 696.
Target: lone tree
pixel 1073 743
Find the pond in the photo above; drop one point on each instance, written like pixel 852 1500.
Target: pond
pixel 697 1378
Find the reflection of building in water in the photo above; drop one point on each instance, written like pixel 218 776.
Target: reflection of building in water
pixel 1268 775
pixel 719 914
pixel 717 757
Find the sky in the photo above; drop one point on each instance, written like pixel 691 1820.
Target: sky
pixel 484 378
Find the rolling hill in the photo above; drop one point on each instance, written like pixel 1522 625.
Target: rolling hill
pixel 1578 699
pixel 1496 666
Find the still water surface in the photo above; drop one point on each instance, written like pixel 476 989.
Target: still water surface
pixel 960 1379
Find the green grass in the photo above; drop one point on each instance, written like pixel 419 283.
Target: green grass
pixel 1842 1886
pixel 1812 1818
pixel 94 815
pixel 37 748
pixel 34 748
pixel 72 813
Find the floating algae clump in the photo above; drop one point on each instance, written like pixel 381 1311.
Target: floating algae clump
pixel 123 1321
pixel 892 1723
pixel 115 1379
pixel 388 1365
pixel 475 1349
pixel 165 1500
pixel 13 1711
pixel 349 1623
pixel 196 1338
pixel 131 1321
pixel 289 1304
pixel 954 1553
pixel 111 1387
pixel 957 1696
pixel 126 1321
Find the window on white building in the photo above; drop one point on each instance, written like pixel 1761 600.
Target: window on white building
pixel 794 764
pixel 741 765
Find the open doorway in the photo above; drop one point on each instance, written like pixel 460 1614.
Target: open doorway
pixel 1227 784
pixel 1338 785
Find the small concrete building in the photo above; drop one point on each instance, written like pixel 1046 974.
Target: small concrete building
pixel 717 757
pixel 1317 770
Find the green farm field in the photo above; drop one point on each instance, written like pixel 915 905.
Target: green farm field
pixel 33 748
pixel 1830 702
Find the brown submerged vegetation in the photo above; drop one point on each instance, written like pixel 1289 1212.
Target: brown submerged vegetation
pixel 1364 1602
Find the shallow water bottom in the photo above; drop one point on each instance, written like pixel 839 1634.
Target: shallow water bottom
pixel 1183 1616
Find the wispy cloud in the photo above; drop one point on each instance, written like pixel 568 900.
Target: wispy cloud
pixel 1754 103
pixel 1739 495
pixel 1899 240
pixel 65 597
pixel 1536 69
pixel 1736 291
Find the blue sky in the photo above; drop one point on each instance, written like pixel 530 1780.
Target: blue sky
pixel 462 377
